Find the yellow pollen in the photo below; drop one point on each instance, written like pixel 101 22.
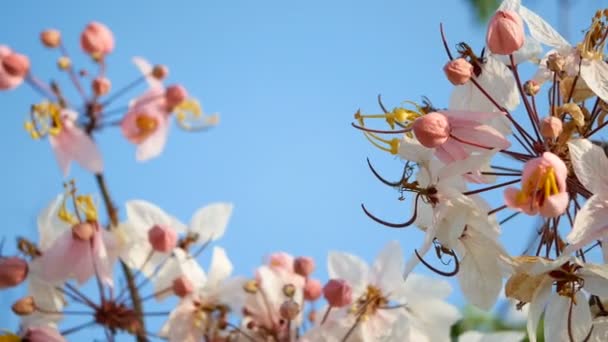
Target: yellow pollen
pixel 45 119
pixel 540 185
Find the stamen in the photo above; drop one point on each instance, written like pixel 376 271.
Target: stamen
pixel 440 272
pixel 395 225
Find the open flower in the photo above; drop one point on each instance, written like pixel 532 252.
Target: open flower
pixel 543 187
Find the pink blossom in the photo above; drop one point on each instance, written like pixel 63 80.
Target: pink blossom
pixel 13 68
pixel 43 334
pixel 146 124
pixel 281 261
pixel 73 144
pixel 97 39
pixel 543 187
pixel 505 33
pixel 86 258
pixel 12 271
pixel 455 135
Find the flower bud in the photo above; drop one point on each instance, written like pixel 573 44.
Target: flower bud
pixel 289 310
pixel 160 72
pixel 43 334
pixel 304 266
pixel 175 95
pixel 555 62
pixel 551 127
pixel 97 39
pixel 338 293
pixel 312 290
pixel 24 306
pixel 83 231
pixel 162 238
pixel 458 71
pixel 281 260
pixel 505 33
pixel 531 88
pixel 16 64
pixel 101 86
pixel 13 271
pixel 182 287
pixel 432 129
pixel 50 38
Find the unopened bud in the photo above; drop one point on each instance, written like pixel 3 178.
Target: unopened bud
pixel 531 88
pixel 162 238
pixel 24 306
pixel 175 95
pixel 97 39
pixel 101 86
pixel 551 127
pixel 505 33
pixel 458 71
pixel 64 63
pixel 182 287
pixel 160 72
pixel 555 62
pixel 83 231
pixel 313 289
pixel 289 290
pixel 50 38
pixel 338 293
pixel 432 129
pixel 16 64
pixel 304 266
pixel 289 310
pixel 13 271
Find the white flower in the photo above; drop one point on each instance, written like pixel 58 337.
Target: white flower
pixel 503 336
pixel 591 222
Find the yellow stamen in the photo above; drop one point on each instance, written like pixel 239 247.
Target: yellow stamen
pixel 190 116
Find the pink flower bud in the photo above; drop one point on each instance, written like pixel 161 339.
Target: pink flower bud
pixel 289 310
pixel 182 287
pixel 16 64
pixel 505 33
pixel 551 127
pixel 83 231
pixel 160 72
pixel 50 38
pixel 97 39
pixel 281 260
pixel 531 88
pixel 13 271
pixel 101 86
pixel 43 334
pixel 162 238
pixel 304 266
pixel 175 95
pixel 432 129
pixel 338 293
pixel 458 71
pixel 312 290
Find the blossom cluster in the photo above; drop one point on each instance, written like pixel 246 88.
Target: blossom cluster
pixel 542 160
pixel 149 255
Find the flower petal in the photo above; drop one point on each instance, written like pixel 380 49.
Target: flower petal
pixel 220 268
pixel 537 306
pixel 388 266
pixel 556 318
pixel 590 165
pixel 541 30
pixel 590 223
pixel 595 74
pixel 210 222
pixel 349 268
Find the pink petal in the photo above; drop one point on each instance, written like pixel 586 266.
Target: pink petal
pixel 472 116
pixel 72 143
pixel 555 205
pixel 451 150
pixel 155 143
pixel 482 135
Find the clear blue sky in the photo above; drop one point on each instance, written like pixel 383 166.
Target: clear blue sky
pixel 286 77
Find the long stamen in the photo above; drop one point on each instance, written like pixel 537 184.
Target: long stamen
pixel 440 272
pixel 395 225
pixel 375 143
pixel 380 130
pixel 383 180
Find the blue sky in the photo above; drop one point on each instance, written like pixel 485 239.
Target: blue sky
pixel 286 77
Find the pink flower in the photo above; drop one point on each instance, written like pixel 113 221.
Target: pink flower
pixel 97 39
pixel 456 134
pixel 13 68
pixel 72 144
pixel 86 258
pixel 147 124
pixel 458 71
pixel 505 33
pixel 338 293
pixel 543 187
pixel 43 334
pixel 281 261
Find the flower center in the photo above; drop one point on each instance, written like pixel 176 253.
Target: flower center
pixel 45 119
pixel 539 186
pixel 369 303
pixel 146 125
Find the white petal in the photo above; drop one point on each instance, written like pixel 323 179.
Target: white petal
pixel 50 227
pixel 596 279
pixel 210 222
pixel 595 74
pixel 388 266
pixel 541 30
pixel 411 149
pixel 419 288
pixel 590 223
pixel 480 276
pixel 510 5
pixel 556 318
pixel 503 336
pixel 590 165
pixel 600 330
pixel 528 52
pixel 350 268
pixel 144 215
pixel 537 306
pixel 220 268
